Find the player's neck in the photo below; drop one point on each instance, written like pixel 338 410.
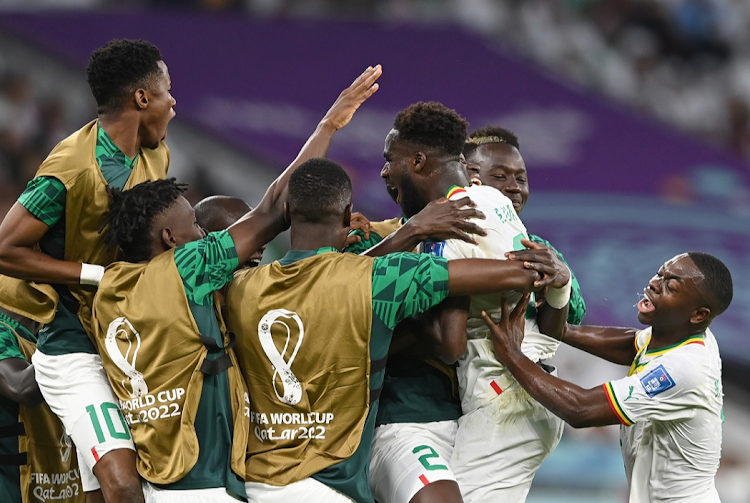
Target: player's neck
pixel 313 237
pixel 662 337
pixel 123 132
pixel 453 175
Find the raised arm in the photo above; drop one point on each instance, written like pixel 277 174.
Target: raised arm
pixel 266 221
pixel 614 344
pixel 439 220
pixel 338 116
pixel 576 406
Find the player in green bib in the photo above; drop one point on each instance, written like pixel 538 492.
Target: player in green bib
pixel 182 396
pixel 37 459
pixel 53 254
pixel 313 332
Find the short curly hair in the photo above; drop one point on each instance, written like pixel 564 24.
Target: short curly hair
pixel 118 68
pixel 490 134
pixel 433 125
pixel 717 285
pixel 132 212
pixel 319 190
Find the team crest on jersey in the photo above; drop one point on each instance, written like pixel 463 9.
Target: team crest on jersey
pixel 657 381
pixel 434 248
pixel 123 343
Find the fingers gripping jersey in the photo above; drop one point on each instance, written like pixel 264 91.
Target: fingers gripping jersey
pixel 478 366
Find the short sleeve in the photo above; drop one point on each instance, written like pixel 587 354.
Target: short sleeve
pixel 45 197
pixel 663 390
pixel 9 344
pixel 206 265
pixel 407 284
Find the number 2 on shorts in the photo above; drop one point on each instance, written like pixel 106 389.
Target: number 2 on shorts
pixel 424 458
pixel 107 410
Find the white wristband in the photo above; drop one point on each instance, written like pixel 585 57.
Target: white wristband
pixel 91 274
pixel 558 297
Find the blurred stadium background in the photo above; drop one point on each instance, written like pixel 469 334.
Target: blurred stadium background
pixel 633 116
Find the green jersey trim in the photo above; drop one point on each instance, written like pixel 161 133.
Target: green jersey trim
pixel 403 285
pixel 205 266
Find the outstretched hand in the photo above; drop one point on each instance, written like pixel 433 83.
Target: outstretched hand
pixel 444 219
pixel 545 261
pixel 507 334
pixel 358 222
pixel 352 97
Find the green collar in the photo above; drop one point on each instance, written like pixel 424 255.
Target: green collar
pixel 110 149
pixel 293 256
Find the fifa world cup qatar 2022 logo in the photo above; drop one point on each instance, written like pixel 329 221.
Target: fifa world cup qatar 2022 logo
pixel 291 389
pixel 121 333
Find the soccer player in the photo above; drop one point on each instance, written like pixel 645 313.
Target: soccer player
pixel 670 404
pixel 313 332
pixel 175 373
pixel 493 157
pixel 420 394
pixel 51 237
pixel 37 459
pixel 216 213
pixel 423 156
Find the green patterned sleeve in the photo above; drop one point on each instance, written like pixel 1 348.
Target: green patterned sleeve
pixel 407 284
pixel 9 344
pixel 577 309
pixel 363 245
pixel 206 265
pixel 44 197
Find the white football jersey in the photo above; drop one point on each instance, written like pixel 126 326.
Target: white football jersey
pixel 478 368
pixel 671 409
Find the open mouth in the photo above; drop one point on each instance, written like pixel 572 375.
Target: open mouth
pixel 394 193
pixel 645 305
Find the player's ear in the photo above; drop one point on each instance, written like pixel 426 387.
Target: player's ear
pixel 168 238
pixel 419 161
pixel 141 99
pixel 348 215
pixel 700 316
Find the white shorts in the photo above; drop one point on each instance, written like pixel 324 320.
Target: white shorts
pixel 215 495
pixel 408 456
pixel 307 490
pixel 500 446
pixel 76 389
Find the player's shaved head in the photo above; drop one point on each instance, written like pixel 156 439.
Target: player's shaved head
pixel 319 191
pixel 216 213
pixel 716 285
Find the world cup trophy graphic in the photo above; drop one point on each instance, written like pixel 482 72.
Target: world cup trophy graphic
pixel 123 331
